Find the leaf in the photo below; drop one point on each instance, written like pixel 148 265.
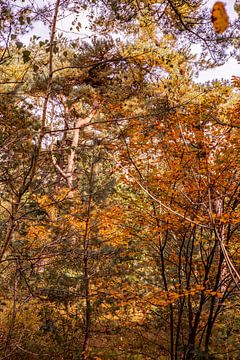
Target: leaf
pixel 21 20
pixel 26 56
pixel 220 18
pixel 19 44
pixel 55 49
pixel 35 68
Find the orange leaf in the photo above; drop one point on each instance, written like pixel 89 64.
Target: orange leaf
pixel 219 17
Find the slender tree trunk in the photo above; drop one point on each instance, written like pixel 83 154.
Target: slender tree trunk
pixel 210 322
pixel 171 329
pixel 86 271
pixel 13 317
pixel 70 166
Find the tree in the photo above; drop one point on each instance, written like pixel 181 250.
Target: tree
pixel 184 182
pixel 120 186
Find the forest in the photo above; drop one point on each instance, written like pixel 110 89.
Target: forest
pixel 119 181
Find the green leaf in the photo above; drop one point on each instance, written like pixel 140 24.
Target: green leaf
pixel 26 56
pixel 21 20
pixel 55 49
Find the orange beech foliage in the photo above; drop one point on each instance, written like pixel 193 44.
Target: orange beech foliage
pixel 183 176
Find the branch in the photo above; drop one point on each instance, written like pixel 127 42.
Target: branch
pixel 128 175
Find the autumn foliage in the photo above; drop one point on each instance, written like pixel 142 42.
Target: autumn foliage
pixel 119 181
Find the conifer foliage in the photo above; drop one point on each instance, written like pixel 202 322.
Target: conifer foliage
pixel 119 182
